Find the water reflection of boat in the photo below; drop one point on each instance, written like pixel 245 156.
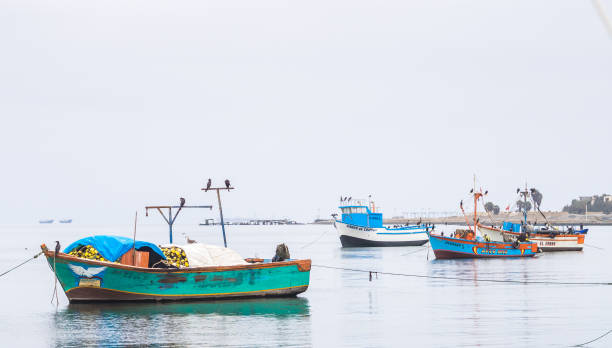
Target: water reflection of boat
pixel 362 226
pixel 273 307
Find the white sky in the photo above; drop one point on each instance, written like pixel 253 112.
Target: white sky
pixel 108 106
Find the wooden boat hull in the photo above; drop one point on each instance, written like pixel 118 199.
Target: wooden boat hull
pixel 455 248
pixel 91 281
pixel 545 241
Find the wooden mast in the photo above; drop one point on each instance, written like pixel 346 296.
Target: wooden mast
pixel 218 189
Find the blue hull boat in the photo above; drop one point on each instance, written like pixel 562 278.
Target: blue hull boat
pixel 456 248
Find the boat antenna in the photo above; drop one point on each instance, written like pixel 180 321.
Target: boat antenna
pixel 476 196
pixel 525 194
pixel 227 187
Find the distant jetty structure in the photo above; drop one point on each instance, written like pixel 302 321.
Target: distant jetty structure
pixel 254 222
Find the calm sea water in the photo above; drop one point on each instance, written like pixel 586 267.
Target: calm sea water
pixel 341 308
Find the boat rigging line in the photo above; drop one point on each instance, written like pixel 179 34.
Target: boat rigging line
pixel 23 263
pixel 543 282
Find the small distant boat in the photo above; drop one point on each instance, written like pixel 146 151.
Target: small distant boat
pixel 50 221
pixel 66 221
pixel 362 226
pixel 467 243
pixel 548 238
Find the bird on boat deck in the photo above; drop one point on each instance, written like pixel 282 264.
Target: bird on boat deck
pixel 182 201
pixel 190 241
pixel 227 184
pixel 472 191
pixel 208 183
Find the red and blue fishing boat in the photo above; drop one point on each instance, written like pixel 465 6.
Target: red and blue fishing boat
pixel 467 243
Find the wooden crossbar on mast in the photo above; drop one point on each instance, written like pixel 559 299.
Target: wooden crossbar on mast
pixel 172 218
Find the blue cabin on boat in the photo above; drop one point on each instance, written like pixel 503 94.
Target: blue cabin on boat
pixel 512 227
pixel 362 216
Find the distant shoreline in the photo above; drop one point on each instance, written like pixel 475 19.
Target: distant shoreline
pixel 554 218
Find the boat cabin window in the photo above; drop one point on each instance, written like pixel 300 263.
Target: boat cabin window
pixel 354 210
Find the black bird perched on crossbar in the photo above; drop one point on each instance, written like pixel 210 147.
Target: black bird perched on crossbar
pixel 227 184
pixel 182 201
pixel 208 185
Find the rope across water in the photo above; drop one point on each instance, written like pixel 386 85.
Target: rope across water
pixel 546 282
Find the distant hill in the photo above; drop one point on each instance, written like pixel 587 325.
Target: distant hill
pixel 602 203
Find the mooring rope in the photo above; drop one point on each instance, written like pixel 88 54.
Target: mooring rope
pixel 315 240
pixel 591 341
pixel 546 282
pixel 592 246
pixel 421 248
pixel 23 263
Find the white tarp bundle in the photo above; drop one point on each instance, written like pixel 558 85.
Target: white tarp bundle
pixel 202 255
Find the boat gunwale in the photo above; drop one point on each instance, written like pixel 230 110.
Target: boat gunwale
pixel 302 265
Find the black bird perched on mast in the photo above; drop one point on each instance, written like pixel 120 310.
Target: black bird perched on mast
pixel 182 201
pixel 208 185
pixel 472 191
pixel 227 184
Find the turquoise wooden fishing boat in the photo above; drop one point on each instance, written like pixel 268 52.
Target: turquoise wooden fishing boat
pixel 86 280
pixel 115 268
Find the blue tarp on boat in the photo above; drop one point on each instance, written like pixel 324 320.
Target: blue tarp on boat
pixel 112 247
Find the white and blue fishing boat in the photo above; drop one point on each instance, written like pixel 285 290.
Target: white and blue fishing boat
pixel 362 226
